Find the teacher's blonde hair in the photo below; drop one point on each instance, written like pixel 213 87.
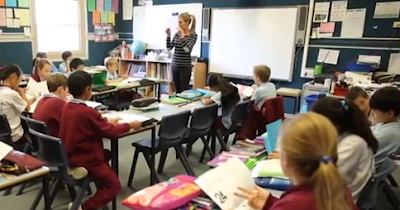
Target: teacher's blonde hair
pixel 188 18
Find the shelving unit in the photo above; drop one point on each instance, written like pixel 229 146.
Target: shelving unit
pixel 161 70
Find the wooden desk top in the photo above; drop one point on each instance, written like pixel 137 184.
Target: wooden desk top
pixel 11 180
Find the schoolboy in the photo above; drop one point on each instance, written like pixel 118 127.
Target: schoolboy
pixel 55 101
pixel 385 108
pixel 82 129
pixel 64 66
pixel 75 64
pixel 112 68
pixel 360 98
pixel 265 89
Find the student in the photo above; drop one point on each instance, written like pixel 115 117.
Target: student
pixel 75 64
pixel 227 96
pixel 54 101
pixel 13 100
pixel 264 89
pixel 112 68
pixel 308 157
pixel 42 70
pixel 42 55
pixel 360 98
pixel 357 144
pixel 385 105
pixel 64 66
pixel 82 129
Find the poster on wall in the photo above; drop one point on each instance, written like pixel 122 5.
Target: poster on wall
pixel 103 33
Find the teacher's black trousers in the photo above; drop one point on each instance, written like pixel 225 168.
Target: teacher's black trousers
pixel 181 77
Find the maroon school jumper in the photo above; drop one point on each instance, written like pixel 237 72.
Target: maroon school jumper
pixel 300 197
pixel 48 110
pixel 36 77
pixel 82 129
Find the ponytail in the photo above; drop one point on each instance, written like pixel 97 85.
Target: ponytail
pixel 8 70
pixel 229 94
pixel 193 23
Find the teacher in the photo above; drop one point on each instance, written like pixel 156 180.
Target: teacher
pixel 183 42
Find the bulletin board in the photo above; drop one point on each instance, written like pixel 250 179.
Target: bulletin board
pixel 15 16
pixel 103 14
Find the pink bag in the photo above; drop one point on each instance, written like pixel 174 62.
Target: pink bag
pixel 168 195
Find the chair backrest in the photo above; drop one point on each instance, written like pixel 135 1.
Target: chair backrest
pixel 36 125
pixel 272 109
pixel 203 118
pixel 5 130
pixel 387 167
pixel 240 112
pixel 173 128
pixel 367 198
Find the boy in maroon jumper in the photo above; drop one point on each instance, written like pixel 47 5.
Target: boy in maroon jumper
pixel 55 101
pixel 82 129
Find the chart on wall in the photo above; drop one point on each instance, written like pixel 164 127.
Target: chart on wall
pixel 15 14
pixel 103 18
pixel 150 23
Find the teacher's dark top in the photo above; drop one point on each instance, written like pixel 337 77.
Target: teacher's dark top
pixel 183 48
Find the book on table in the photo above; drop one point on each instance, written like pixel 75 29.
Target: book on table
pixel 175 101
pixel 248 148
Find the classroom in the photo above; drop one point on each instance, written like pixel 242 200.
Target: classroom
pixel 187 105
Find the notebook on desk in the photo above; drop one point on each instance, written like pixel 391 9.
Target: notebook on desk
pixel 127 117
pixel 99 82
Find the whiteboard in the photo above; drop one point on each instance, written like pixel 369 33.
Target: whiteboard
pixel 243 38
pixel 150 22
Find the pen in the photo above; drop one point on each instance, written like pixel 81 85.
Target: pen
pixel 180 105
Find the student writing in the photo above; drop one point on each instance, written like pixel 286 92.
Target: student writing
pixel 308 156
pixel 74 65
pixel 264 89
pixel 54 101
pixel 227 96
pixel 42 55
pixel 42 70
pixel 64 66
pixel 385 105
pixel 357 144
pixel 13 101
pixel 183 42
pixel 82 129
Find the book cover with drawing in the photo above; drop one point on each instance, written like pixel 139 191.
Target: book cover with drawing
pixel 225 156
pixel 271 168
pixel 246 148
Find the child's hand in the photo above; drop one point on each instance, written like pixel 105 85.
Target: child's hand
pixel 256 197
pixel 21 90
pixel 125 77
pixel 32 100
pixel 113 120
pixel 135 124
pixel 120 79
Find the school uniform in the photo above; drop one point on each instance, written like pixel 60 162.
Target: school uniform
pixel 299 197
pixel 82 129
pixel 51 118
pixel 388 136
pixel 62 68
pixel 356 162
pixel 12 105
pixel 112 76
pixel 38 78
pixel 226 115
pixel 54 69
pixel 124 95
pixel 263 92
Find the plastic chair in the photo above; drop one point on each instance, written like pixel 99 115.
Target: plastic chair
pixel 172 132
pixel 5 131
pixel 52 151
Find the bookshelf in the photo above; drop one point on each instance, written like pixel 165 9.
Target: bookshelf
pixel 161 70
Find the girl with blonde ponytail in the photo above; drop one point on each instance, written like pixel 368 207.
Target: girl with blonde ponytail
pixel 308 153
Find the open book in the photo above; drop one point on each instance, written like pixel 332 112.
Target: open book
pixel 125 117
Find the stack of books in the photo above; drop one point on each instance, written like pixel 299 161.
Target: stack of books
pixel 248 151
pixel 199 203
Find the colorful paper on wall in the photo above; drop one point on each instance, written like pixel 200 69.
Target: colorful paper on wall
pixel 115 6
pixel 103 33
pixel 95 17
pixel 104 17
pixel 23 3
pixel 2 3
pixel 10 23
pixel 327 27
pixel 91 5
pixel 9 13
pixel 100 5
pixel 11 3
pixel 24 16
pixel 111 18
pixel 107 5
pixel 3 19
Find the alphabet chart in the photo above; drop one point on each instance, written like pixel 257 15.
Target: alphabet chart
pixel 222 182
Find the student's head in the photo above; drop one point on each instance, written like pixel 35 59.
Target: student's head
pixel 212 81
pixel 43 68
pixel 10 75
pixel 58 85
pixel 66 56
pixel 360 98
pixel 229 93
pixel 385 104
pixel 308 151
pixel 185 19
pixel 347 118
pixel 41 55
pixel 261 74
pixel 112 65
pixel 76 64
pixel 80 85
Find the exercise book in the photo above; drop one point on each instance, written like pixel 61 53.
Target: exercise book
pixel 125 117
pixel 269 168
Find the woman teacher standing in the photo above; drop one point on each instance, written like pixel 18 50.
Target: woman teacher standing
pixel 183 42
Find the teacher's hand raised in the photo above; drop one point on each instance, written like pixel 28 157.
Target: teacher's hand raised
pixel 168 32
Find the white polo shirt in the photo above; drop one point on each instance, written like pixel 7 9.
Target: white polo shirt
pixel 12 105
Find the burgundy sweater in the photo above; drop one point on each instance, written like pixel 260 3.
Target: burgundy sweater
pixel 300 197
pixel 82 129
pixel 49 110
pixel 36 77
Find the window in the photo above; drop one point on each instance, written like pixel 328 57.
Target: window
pixel 58 30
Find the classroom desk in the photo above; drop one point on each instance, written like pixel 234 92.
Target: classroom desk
pixel 7 181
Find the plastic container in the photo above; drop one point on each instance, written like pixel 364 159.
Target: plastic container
pixel 310 100
pixel 358 67
pixel 318 69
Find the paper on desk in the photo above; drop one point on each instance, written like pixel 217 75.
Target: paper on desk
pixel 37 88
pixel 370 59
pixel 394 63
pixel 338 11
pixel 130 79
pixel 125 117
pixel 92 104
pixel 221 188
pixel 387 10
pixel 353 25
pixel 4 150
pixel 328 56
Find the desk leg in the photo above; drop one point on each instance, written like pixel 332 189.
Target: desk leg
pixel 46 193
pixel 158 92
pixel 114 164
pixel 116 99
pixel 153 156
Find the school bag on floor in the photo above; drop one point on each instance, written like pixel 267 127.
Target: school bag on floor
pixel 167 195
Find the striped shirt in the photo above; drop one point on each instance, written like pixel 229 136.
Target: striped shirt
pixel 183 47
